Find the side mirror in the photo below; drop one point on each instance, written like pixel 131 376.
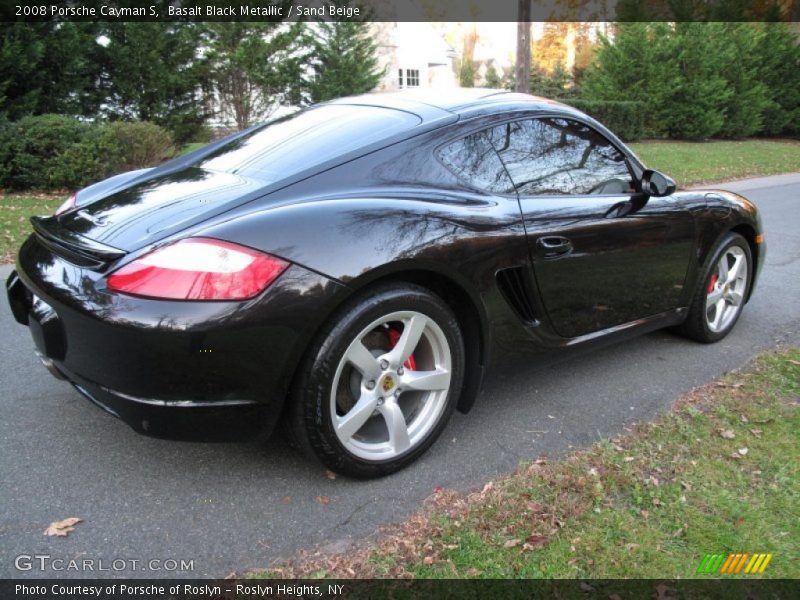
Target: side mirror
pixel 655 183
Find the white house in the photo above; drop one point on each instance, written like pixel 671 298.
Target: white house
pixel 414 55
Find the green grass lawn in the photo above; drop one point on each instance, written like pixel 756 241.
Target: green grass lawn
pixel 699 162
pixel 15 210
pixel 718 474
pixel 191 147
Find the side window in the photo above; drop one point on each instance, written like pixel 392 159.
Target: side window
pixel 474 159
pixel 559 156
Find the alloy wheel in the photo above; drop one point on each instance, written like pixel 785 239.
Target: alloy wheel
pixel 726 288
pixel 390 387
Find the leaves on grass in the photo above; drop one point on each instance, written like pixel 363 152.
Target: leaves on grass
pixel 512 543
pixel 727 434
pixel 756 432
pixel 743 451
pixel 535 541
pixel 62 528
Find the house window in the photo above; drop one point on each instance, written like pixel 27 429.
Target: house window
pixel 400 77
pixel 412 77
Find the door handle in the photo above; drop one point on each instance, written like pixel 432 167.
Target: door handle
pixel 554 245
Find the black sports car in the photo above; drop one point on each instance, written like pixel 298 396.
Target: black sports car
pixel 353 268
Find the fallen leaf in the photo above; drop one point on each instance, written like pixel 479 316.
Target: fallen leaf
pixel 656 502
pixel 473 572
pixel 742 451
pixel 535 507
pixel 727 434
pixel 323 499
pixel 537 541
pixel 286 500
pixel 330 475
pixel 512 543
pixel 644 513
pixel 686 486
pixel 794 362
pixel 62 528
pixel 630 547
pixel 628 459
pixel 428 560
pixel 681 531
pixel 756 432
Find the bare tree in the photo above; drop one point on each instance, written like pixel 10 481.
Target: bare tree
pixel 523 67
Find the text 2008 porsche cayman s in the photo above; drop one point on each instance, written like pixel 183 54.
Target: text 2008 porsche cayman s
pixel 352 269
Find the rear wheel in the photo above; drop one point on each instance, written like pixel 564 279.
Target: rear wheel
pixel 721 292
pixel 380 382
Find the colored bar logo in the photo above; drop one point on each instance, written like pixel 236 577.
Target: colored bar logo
pixel 734 562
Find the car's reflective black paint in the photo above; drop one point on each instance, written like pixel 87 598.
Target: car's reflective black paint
pixel 534 274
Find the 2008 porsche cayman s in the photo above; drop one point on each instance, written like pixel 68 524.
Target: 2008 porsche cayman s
pixel 352 268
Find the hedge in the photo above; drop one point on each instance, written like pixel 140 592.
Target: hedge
pixel 625 119
pixel 53 151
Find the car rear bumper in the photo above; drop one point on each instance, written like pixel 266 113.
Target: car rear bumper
pixel 170 369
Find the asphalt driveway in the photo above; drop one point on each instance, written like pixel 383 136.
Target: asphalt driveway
pixel 236 506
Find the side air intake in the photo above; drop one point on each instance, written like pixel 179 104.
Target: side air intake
pixel 515 285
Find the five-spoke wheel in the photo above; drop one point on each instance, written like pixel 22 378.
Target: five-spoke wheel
pixel 725 289
pixel 722 290
pixel 381 381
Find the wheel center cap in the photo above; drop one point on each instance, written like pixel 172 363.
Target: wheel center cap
pixel 387 383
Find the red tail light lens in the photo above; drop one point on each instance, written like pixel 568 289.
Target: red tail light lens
pixel 67 204
pixel 198 269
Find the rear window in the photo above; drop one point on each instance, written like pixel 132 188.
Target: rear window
pixel 305 139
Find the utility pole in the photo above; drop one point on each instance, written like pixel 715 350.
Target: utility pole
pixel 523 67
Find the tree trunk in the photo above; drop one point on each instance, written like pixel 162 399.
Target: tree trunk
pixel 523 67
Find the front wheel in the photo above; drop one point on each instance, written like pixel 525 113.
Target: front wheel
pixel 720 294
pixel 380 382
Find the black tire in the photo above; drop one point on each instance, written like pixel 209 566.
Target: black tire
pixel 310 417
pixel 696 325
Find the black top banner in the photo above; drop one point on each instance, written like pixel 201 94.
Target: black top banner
pixel 402 10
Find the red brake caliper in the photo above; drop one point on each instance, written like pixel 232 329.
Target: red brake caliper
pixel 711 283
pixel 394 337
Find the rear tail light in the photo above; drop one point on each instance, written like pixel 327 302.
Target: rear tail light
pixel 198 269
pixel 67 204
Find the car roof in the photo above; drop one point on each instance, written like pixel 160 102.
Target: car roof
pixel 431 103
